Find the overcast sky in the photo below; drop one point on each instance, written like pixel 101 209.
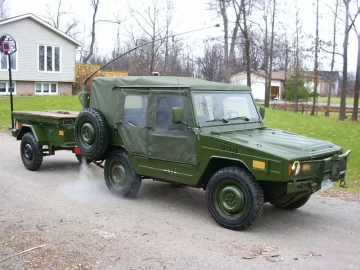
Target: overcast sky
pixel 191 14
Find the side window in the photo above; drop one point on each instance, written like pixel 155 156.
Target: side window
pixel 164 113
pixel 135 110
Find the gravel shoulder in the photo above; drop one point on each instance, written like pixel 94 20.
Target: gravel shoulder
pixel 67 207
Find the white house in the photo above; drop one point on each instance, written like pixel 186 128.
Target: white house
pixel 44 63
pixel 258 83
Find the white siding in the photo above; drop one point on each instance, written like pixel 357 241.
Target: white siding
pixel 29 35
pixel 257 84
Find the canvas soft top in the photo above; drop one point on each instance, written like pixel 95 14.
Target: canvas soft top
pixel 164 82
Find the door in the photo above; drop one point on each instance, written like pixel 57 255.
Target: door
pixel 171 147
pixel 132 120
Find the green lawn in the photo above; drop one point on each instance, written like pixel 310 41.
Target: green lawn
pixel 36 103
pixel 335 100
pixel 345 134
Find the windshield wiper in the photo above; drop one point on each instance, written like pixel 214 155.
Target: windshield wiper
pixel 239 117
pixel 218 119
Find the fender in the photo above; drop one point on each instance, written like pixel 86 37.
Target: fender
pixel 36 130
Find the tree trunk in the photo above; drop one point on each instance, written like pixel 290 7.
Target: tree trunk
pixel 247 45
pixel 342 112
pixel 95 4
pixel 327 113
pixel 316 59
pixel 268 86
pixel 354 115
pixel 223 12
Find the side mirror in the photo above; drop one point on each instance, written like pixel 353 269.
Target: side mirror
pixel 177 115
pixel 262 112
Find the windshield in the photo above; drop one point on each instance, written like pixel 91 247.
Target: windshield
pixel 225 107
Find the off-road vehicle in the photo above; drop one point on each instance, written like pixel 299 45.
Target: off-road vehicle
pixel 205 135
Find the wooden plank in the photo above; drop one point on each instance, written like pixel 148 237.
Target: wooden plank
pixel 58 114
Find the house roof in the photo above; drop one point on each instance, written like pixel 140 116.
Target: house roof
pixel 280 75
pixel 42 22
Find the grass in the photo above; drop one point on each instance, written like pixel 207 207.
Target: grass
pixel 343 133
pixel 335 100
pixel 34 104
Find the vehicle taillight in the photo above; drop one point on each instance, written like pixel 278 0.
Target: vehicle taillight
pixel 19 125
pixel 77 150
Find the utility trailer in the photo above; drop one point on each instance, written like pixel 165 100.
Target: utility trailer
pixel 42 133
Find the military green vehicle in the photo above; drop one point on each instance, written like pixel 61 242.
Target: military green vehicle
pixel 201 134
pixel 42 133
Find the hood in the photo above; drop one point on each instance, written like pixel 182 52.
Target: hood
pixel 281 143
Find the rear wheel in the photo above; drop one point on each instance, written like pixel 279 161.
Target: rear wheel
pixel 120 176
pixel 235 200
pixel 31 152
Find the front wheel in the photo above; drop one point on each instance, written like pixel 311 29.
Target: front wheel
pixel 120 176
pixel 296 204
pixel 31 152
pixel 235 200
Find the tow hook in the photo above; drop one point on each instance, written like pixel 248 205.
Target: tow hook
pixel 342 183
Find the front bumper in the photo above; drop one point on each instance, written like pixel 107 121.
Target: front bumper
pixel 326 170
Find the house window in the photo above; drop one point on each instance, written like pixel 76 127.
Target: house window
pixel 5 88
pixel 49 58
pixel 4 65
pixel 46 88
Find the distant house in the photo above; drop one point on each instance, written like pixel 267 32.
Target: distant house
pixel 44 63
pixel 325 78
pixel 258 83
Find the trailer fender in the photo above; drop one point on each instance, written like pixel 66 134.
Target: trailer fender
pixel 36 130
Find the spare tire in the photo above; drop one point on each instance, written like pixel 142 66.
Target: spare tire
pixel 92 133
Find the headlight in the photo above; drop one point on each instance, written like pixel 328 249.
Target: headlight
pixel 296 167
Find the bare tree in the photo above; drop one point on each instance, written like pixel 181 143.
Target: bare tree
pixel 210 64
pixel 327 113
pixel 3 10
pixel 149 20
pixel 316 64
pixel 95 6
pixel 355 111
pixel 342 113
pixel 271 52
pixel 56 19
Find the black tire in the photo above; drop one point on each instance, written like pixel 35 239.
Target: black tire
pixel 235 200
pixel 80 159
pixel 296 204
pixel 31 152
pixel 120 176
pixel 92 133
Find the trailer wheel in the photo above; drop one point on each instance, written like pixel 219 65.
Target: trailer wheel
pixel 92 133
pixel 120 176
pixel 31 152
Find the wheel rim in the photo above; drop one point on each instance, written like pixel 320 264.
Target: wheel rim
pixel 230 199
pixel 28 152
pixel 118 175
pixel 87 133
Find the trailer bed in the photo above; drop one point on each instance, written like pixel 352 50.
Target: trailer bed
pixel 56 114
